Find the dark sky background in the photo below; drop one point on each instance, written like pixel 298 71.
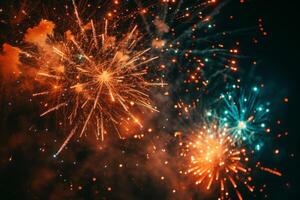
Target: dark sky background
pixel 280 65
pixel 278 54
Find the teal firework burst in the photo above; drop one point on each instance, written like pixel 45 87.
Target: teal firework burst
pixel 245 115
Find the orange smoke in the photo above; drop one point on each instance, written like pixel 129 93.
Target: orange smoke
pixel 161 26
pixel 69 35
pixel 9 61
pixel 38 35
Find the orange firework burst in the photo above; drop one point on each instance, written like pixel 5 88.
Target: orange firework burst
pixel 215 162
pixel 98 79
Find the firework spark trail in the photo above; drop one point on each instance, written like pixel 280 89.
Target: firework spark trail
pixel 200 24
pixel 272 171
pixel 213 60
pixel 66 141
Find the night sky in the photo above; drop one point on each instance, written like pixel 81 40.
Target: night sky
pixel 133 168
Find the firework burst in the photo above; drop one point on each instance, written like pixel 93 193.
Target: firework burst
pixel 245 115
pixel 215 162
pixel 99 80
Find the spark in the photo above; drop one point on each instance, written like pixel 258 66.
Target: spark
pixel 272 171
pixel 242 125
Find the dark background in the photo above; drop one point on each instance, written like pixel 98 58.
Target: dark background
pixel 279 66
pixel 279 56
